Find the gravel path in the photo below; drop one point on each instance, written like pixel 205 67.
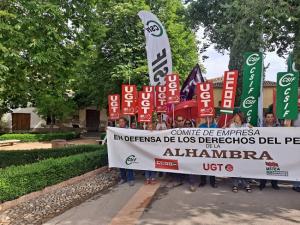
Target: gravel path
pixel 47 144
pixel 48 206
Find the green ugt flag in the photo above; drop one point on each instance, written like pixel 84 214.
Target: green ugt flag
pixel 287 95
pixel 252 72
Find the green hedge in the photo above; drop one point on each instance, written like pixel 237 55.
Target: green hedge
pixel 21 157
pixel 40 137
pixel 16 181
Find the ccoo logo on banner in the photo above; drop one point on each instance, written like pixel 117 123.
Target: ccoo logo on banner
pixel 229 91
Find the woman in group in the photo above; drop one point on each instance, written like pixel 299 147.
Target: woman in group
pixel 239 121
pixel 150 176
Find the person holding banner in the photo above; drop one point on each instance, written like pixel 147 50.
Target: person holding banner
pixel 239 121
pixel 269 122
pixel 150 175
pixel 178 177
pixel 296 123
pixel 126 174
pixel 192 177
pixel 208 122
pixel 161 124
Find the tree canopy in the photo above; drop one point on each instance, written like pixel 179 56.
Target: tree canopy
pixel 90 47
pixel 239 26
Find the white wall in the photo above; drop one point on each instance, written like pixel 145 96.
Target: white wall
pixel 35 120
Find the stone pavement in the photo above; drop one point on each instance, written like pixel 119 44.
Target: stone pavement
pixel 172 206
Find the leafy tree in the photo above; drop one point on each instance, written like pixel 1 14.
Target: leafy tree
pixel 122 53
pixel 247 25
pixel 44 45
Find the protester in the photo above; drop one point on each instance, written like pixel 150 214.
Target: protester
pixel 133 125
pixel 178 177
pixel 161 124
pixel 192 177
pixel 208 122
pixel 127 175
pixel 239 121
pixel 296 123
pixel 269 121
pixel 150 176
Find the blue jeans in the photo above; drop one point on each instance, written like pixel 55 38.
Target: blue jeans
pixel 237 180
pixel 150 174
pixel 126 174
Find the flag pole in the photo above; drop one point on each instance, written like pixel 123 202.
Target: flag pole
pixel 173 115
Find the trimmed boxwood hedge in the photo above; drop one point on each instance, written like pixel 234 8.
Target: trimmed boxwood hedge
pixel 16 181
pixel 40 137
pixel 21 157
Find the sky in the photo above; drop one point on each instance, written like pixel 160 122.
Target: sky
pixel 217 63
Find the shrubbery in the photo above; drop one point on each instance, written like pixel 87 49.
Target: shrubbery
pixel 40 137
pixel 16 181
pixel 21 157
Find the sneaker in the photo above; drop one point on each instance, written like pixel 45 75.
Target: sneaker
pixel 192 188
pixel 131 183
pixel 147 181
pixel 122 181
pixel 153 181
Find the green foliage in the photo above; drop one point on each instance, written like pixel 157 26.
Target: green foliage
pixel 39 137
pixel 16 181
pixel 122 52
pixel 21 157
pixel 90 47
pixel 248 25
pixel 43 46
pixel 59 108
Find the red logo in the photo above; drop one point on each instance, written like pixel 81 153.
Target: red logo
pixel 168 164
pixel 217 167
pixel 229 167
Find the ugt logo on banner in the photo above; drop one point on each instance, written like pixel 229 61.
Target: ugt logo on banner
pixel 129 93
pixel 173 89
pixel 229 91
pixel 114 106
pixel 161 99
pixel 145 107
pixel 151 90
pixel 205 99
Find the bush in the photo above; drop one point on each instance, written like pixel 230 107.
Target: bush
pixel 21 157
pixel 40 137
pixel 16 181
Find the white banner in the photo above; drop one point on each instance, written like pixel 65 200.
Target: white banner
pixel 263 153
pixel 158 48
